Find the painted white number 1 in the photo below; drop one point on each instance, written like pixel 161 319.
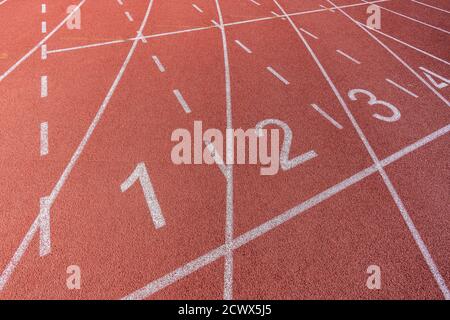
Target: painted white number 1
pixel 140 172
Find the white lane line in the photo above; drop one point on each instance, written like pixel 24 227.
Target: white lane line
pixel 158 64
pixel 120 2
pixel 216 24
pixel 18 254
pixel 2 2
pixel 44 86
pixel 430 6
pixel 246 49
pixel 129 16
pixel 277 15
pixel 163 34
pixel 44 27
pixel 197 8
pixel 410 18
pixel 44 139
pixel 229 218
pixel 402 88
pixel 43 8
pixel 255 2
pixel 309 34
pixel 327 116
pixel 279 76
pixel 401 207
pixel 219 252
pixel 406 65
pixel 29 53
pixel 348 57
pixel 44 52
pixel 404 43
pixel 181 100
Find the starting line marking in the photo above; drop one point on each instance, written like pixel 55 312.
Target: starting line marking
pixel 309 34
pixel 348 57
pixel 402 88
pixel 243 46
pixel 327 116
pixel 44 139
pixel 129 16
pixel 279 76
pixel 197 8
pixel 181 100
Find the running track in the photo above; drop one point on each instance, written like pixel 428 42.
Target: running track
pixel 82 108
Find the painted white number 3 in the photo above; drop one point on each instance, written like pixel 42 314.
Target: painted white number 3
pixel 149 193
pixel 373 101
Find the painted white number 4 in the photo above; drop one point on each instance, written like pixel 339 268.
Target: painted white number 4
pixel 140 172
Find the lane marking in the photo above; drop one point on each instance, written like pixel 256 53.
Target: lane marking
pixel 279 76
pixel 404 213
pixel 157 35
pixel 43 8
pixel 2 2
pixel 29 53
pixel 197 8
pixel 255 2
pixel 309 34
pixel 402 88
pixel 406 65
pixel 410 18
pixel 246 49
pixel 120 2
pixel 44 86
pixel 129 16
pixel 430 6
pixel 158 64
pixel 277 15
pixel 44 227
pixel 229 218
pixel 348 57
pixel 181 100
pixel 18 254
pixel 428 73
pixel 44 52
pixel 216 24
pixel 404 43
pixel 44 139
pixel 327 116
pixel 44 27
pixel 215 254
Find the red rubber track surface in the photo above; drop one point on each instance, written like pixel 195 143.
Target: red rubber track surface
pixel 376 194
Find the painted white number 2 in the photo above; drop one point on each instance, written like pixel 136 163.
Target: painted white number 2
pixel 140 172
pixel 373 101
pixel 286 163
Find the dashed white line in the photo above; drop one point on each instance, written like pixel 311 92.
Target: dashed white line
pixel 44 27
pixel 2 2
pixel 327 116
pixel 44 139
pixel 158 64
pixel 215 254
pixel 402 88
pixel 129 16
pixel 181 100
pixel 309 34
pixel 430 6
pixel 279 76
pixel 246 49
pixel 43 8
pixel 44 86
pixel 348 56
pixel 120 2
pixel 44 52
pixel 197 8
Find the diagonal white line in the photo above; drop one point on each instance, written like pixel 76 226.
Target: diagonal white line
pixel 430 6
pixel 243 46
pixel 348 56
pixel 279 76
pixel 327 116
pixel 402 88
pixel 181 100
